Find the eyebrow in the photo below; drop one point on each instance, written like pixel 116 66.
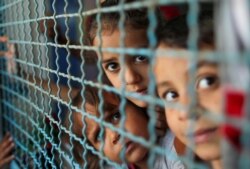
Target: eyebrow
pixel 163 84
pixel 142 46
pixel 109 109
pixel 206 63
pixel 115 58
pixel 109 60
pixel 200 64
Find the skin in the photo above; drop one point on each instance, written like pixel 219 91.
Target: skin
pixel 172 79
pixel 136 67
pixel 112 144
pixel 6 146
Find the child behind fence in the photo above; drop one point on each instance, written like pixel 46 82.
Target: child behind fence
pixel 173 83
pixel 135 153
pixel 135 65
pixel 136 123
pixel 73 124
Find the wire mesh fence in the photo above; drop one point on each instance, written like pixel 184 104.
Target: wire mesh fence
pixel 126 84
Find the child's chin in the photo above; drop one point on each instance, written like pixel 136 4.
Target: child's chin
pixel 137 155
pixel 209 155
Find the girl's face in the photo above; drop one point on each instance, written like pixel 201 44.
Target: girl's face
pixel 191 125
pixel 135 66
pixel 134 152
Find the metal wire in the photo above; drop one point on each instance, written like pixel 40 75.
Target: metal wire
pixel 32 100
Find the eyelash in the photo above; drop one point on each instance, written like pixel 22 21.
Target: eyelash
pixel 113 115
pixel 167 92
pixel 97 134
pixel 145 59
pixel 214 82
pixel 110 64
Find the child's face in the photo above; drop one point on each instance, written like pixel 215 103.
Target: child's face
pixel 136 66
pixel 112 140
pixel 173 80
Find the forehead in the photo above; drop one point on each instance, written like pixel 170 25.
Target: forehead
pixel 170 66
pixel 108 107
pixel 111 103
pixel 110 99
pixel 134 38
pixel 132 110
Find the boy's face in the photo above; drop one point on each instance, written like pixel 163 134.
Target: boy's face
pixel 172 76
pixel 136 66
pixel 112 140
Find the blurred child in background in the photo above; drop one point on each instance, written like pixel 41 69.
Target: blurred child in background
pixel 193 124
pixel 135 153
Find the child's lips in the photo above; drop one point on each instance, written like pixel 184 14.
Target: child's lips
pixel 203 135
pixel 142 91
pixel 130 145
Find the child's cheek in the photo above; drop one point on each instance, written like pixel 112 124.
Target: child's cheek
pixel 115 80
pixel 173 120
pixel 212 101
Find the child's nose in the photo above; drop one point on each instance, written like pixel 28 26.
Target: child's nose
pixel 184 104
pixel 131 76
pixel 190 108
pixel 191 112
pixel 114 136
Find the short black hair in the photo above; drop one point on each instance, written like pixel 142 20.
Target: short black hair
pixel 175 33
pixel 134 18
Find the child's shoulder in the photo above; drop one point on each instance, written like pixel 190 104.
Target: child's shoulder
pixel 167 141
pixel 170 160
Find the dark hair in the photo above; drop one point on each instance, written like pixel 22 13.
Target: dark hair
pixel 90 95
pixel 78 148
pixel 134 18
pixel 92 98
pixel 176 32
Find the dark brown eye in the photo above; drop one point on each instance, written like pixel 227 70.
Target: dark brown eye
pixel 206 82
pixel 140 58
pixel 112 66
pixel 170 96
pixel 116 117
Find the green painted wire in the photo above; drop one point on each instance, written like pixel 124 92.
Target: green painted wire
pixel 57 76
pixel 27 54
pixel 21 36
pixel 42 99
pixel 151 89
pixel 68 80
pixel 34 113
pixel 82 36
pixel 99 79
pixel 44 103
pixel 122 30
pixel 192 21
